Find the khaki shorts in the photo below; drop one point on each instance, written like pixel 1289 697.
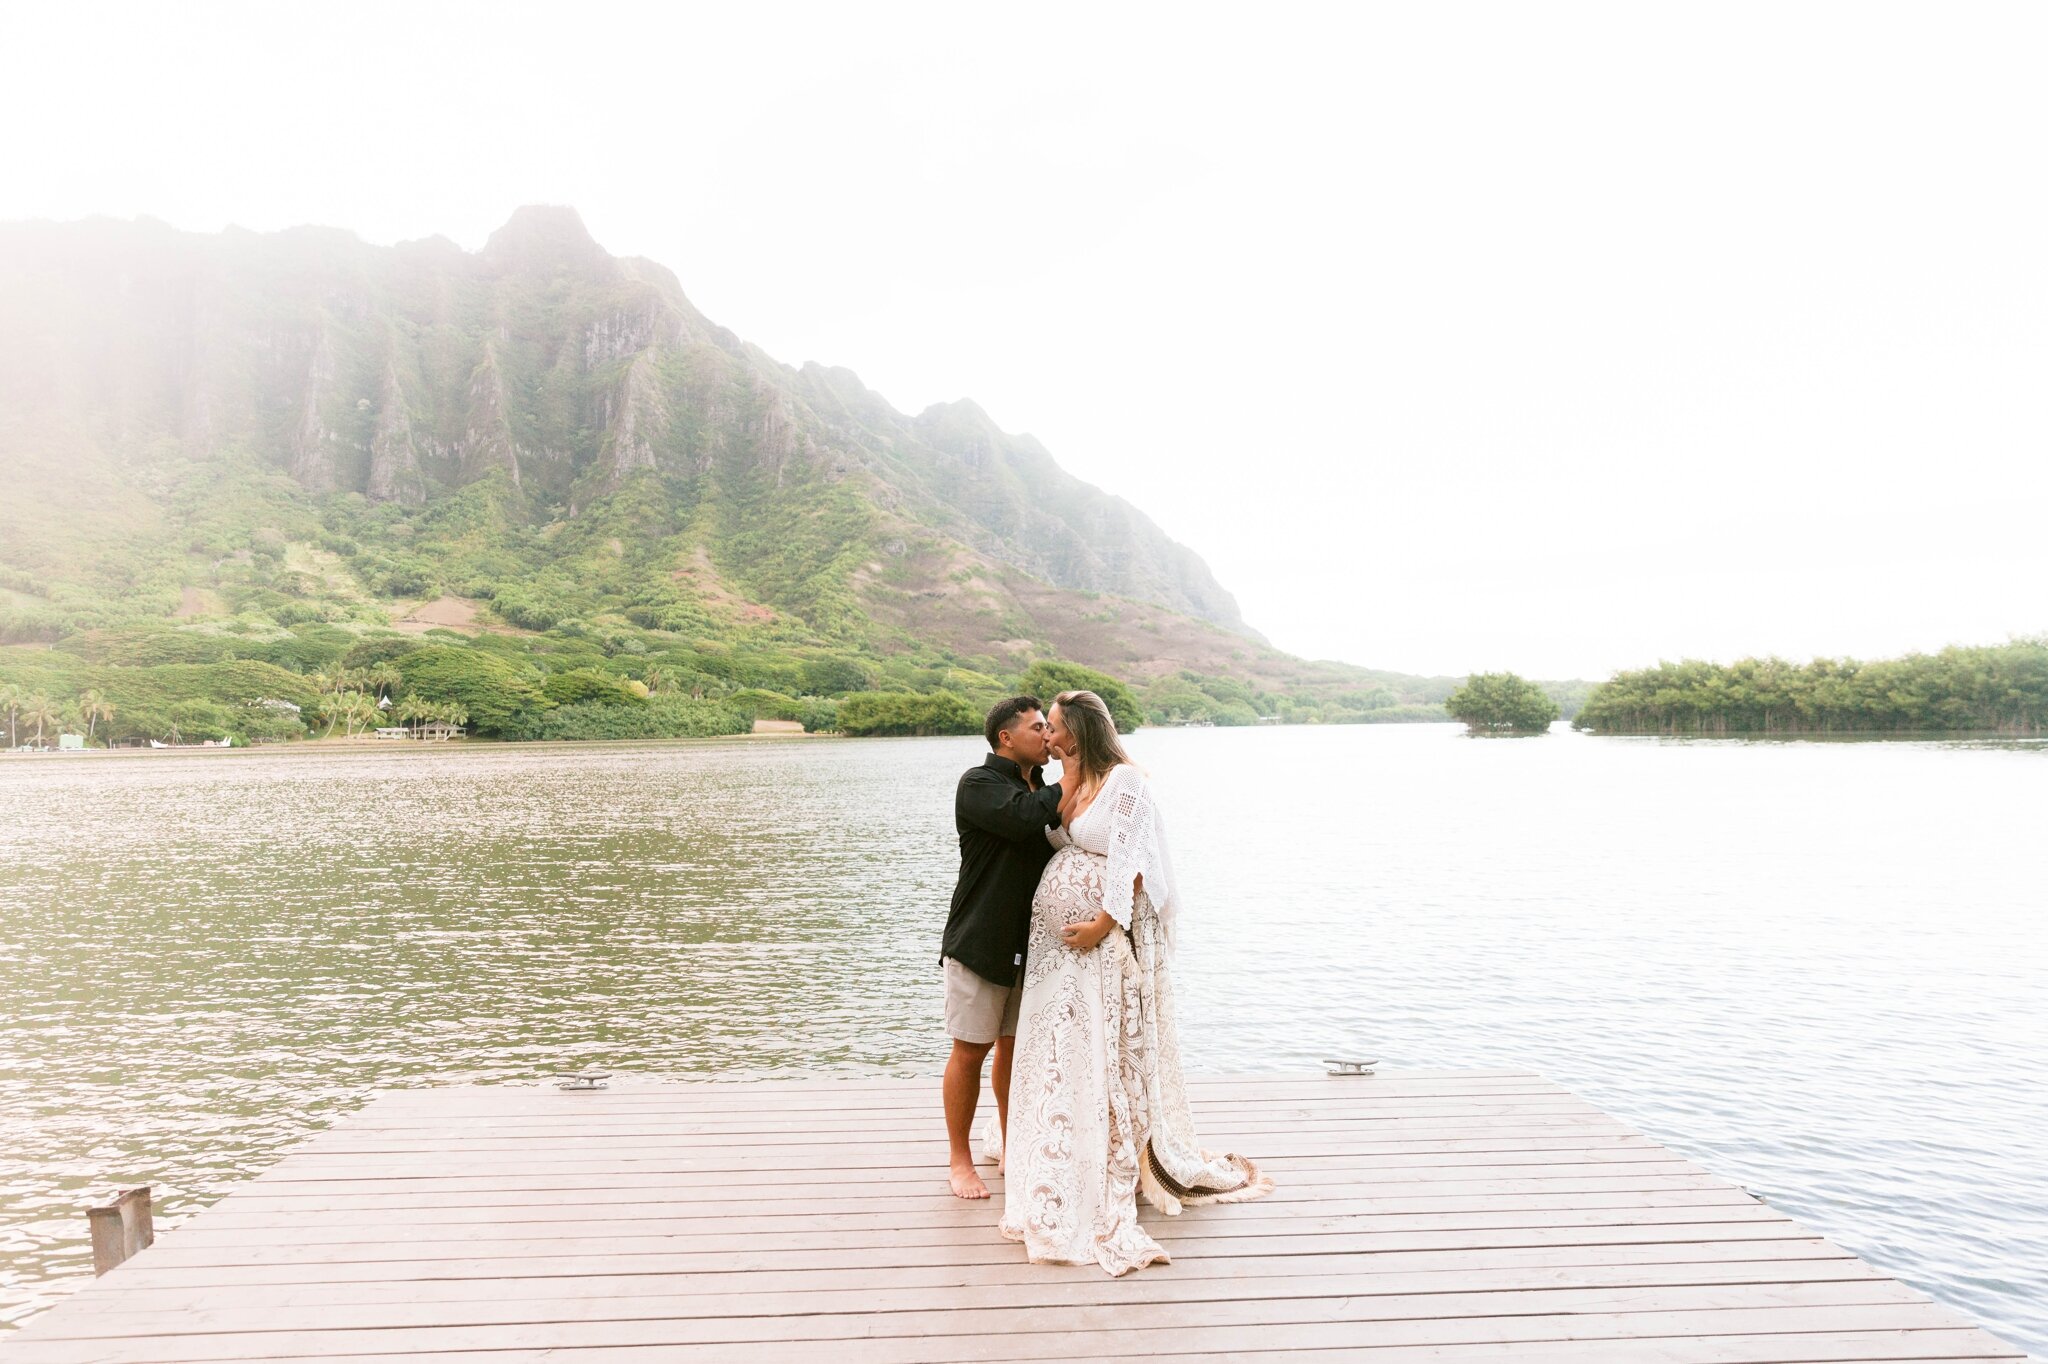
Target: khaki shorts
pixel 978 1010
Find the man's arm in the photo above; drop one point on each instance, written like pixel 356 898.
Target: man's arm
pixel 994 805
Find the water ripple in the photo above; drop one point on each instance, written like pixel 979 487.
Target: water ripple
pixel 1816 968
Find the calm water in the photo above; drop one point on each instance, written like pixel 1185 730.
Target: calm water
pixel 1818 968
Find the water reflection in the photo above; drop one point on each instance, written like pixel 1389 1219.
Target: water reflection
pixel 1814 966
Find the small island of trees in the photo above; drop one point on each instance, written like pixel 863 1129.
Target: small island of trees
pixel 1501 704
pixel 2000 689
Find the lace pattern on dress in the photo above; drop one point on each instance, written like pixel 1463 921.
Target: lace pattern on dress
pixel 1125 824
pixel 1099 1109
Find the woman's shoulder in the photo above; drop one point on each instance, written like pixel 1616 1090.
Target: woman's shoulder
pixel 1128 777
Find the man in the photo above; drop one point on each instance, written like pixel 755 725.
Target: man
pixel 1002 810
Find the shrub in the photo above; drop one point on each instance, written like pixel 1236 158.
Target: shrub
pixel 140 646
pixel 308 649
pixel 261 723
pixel 837 674
pixel 902 712
pixel 499 698
pixel 664 717
pixel 1501 703
pixel 528 607
pixel 29 625
pixel 138 722
pixel 1049 677
pixel 202 720
pixel 580 686
pixel 368 653
pixel 765 705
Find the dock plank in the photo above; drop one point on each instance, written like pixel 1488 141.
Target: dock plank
pixel 1445 1216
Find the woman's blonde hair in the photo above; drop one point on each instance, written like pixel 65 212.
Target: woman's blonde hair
pixel 1096 747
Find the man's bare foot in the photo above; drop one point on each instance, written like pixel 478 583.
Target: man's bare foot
pixel 966 1183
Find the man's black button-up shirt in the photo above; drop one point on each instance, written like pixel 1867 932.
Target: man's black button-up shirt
pixel 1003 850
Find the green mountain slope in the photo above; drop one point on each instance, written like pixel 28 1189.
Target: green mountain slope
pixel 541 448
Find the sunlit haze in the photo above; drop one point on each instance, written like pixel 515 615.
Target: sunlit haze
pixel 1559 339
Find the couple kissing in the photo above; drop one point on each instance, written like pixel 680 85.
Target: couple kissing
pixel 1056 956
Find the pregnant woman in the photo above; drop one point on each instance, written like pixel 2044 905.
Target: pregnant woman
pixel 1098 1111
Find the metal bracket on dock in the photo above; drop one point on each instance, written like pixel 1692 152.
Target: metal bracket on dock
pixel 1351 1067
pixel 121 1228
pixel 582 1079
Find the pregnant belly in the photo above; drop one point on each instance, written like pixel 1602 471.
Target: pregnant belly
pixel 1070 891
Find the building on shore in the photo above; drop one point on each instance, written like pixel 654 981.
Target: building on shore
pixel 437 730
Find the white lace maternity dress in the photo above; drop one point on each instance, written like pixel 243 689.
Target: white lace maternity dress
pixel 1098 1110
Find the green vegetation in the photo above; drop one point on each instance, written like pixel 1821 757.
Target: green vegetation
pixel 599 625
pixel 664 717
pixel 1047 678
pixel 1501 703
pixel 500 696
pixel 897 712
pixel 1570 696
pixel 1995 688
pixel 335 488
pixel 1191 698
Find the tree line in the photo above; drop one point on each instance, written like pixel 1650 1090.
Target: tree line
pixel 90 687
pixel 1999 689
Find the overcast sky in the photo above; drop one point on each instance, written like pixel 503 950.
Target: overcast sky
pixel 1455 337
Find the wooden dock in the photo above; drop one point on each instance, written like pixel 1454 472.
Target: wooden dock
pixel 1441 1216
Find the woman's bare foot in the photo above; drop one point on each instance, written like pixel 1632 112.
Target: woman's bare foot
pixel 966 1183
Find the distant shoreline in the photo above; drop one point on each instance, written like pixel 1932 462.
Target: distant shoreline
pixel 359 744
pixel 362 745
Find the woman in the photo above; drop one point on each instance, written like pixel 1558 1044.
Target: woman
pixel 1098 1112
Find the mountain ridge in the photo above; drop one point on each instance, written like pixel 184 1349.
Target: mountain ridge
pixel 363 384
pixel 542 447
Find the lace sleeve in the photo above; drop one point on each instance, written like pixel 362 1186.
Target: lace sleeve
pixel 1137 847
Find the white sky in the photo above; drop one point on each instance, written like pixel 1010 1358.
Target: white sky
pixel 1455 337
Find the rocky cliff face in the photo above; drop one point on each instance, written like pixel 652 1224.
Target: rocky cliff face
pixel 406 373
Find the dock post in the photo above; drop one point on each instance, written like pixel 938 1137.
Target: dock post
pixel 121 1228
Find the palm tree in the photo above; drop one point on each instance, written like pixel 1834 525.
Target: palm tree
pixel 384 678
pixel 331 707
pixel 38 711
pixel 358 712
pixel 93 708
pixel 10 699
pixel 410 711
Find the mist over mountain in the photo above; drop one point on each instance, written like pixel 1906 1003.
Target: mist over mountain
pixel 404 373
pixel 249 433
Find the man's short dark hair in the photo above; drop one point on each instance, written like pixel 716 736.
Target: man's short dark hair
pixel 1003 712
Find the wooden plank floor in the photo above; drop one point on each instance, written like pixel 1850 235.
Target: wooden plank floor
pixel 1442 1216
